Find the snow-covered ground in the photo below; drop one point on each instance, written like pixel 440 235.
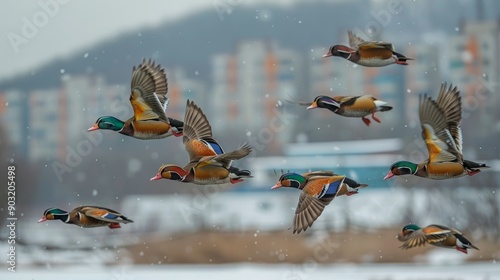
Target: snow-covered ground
pixel 479 271
pixel 260 211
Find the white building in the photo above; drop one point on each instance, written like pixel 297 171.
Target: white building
pixel 82 99
pixel 250 85
pixel 47 124
pixel 423 76
pixel 333 75
pixel 474 57
pixel 474 67
pixel 182 88
pixel 14 118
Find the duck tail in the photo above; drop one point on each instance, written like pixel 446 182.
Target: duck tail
pixel 179 125
pixel 401 59
pixel 474 165
pixel 384 108
pixel 361 186
pixel 473 168
pixel 241 173
pixel 126 220
pixel 473 247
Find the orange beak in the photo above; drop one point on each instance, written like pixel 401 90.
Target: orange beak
pixel 156 177
pixel 313 105
pixel 389 175
pixel 95 127
pixel 277 186
pixel 43 219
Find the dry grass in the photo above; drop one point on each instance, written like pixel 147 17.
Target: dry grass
pixel 283 247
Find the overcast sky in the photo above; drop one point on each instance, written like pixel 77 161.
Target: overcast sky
pixel 32 34
pixel 75 26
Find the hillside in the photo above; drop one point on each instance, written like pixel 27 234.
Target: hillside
pixel 191 41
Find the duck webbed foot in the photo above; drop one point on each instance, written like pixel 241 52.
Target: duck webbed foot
pixel 366 121
pixel 472 172
pixel 114 225
pixel 375 118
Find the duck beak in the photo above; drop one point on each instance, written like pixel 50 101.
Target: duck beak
pixel 389 175
pixel 328 54
pixel 156 177
pixel 95 127
pixel 313 105
pixel 400 237
pixel 43 219
pixel 277 186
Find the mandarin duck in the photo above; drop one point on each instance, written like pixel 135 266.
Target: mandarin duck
pixel 350 106
pixel 87 217
pixel 208 164
pixel 368 53
pixel 148 98
pixel 440 121
pixel 319 188
pixel 437 235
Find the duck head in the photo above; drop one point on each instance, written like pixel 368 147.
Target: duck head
pixel 107 122
pixel 170 172
pixel 324 101
pixel 293 180
pixel 402 168
pixel 407 230
pixel 54 214
pixel 340 50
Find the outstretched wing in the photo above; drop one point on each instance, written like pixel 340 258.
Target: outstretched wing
pixel 450 102
pixel 354 41
pixel 376 45
pixel 429 234
pixel 308 210
pixel 148 91
pixel 318 173
pixel 104 214
pixel 196 125
pixel 222 159
pixel 436 132
pixel 436 233
pixel 299 102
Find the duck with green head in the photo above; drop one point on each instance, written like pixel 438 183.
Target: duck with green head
pixel 87 217
pixel 148 99
pixel 318 188
pixel 440 120
pixel 414 236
